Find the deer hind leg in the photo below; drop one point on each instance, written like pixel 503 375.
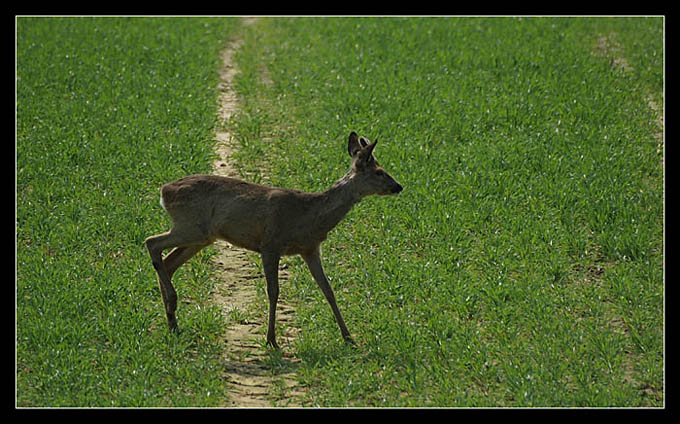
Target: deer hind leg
pixel 185 249
pixel 313 261
pixel 179 256
pixel 270 263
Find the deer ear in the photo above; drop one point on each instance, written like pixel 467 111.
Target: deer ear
pixel 363 141
pixel 369 149
pixel 354 145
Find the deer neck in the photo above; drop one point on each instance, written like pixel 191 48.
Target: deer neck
pixel 337 201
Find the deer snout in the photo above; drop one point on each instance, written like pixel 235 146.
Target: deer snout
pixel 397 188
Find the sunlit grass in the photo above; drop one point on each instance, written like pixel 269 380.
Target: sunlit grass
pixel 107 111
pixel 523 263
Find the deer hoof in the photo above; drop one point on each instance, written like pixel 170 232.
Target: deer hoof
pixel 273 344
pixel 172 323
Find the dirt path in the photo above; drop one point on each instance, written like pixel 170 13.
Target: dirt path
pixel 607 46
pixel 258 376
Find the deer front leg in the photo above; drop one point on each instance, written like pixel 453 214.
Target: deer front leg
pixel 313 261
pixel 270 263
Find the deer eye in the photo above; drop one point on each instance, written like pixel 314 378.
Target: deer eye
pixel 380 172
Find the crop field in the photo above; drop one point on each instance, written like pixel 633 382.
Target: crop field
pixel 108 110
pixel 522 265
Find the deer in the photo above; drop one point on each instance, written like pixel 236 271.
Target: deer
pixel 271 221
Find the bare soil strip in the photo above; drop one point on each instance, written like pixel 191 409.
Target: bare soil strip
pixel 607 46
pixel 248 363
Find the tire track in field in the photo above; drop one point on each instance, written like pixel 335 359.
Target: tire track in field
pixel 608 47
pixel 257 377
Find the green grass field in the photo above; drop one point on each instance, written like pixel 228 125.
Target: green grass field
pixel 523 263
pixel 521 266
pixel 108 110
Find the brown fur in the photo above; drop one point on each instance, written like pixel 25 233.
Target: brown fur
pixel 271 221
